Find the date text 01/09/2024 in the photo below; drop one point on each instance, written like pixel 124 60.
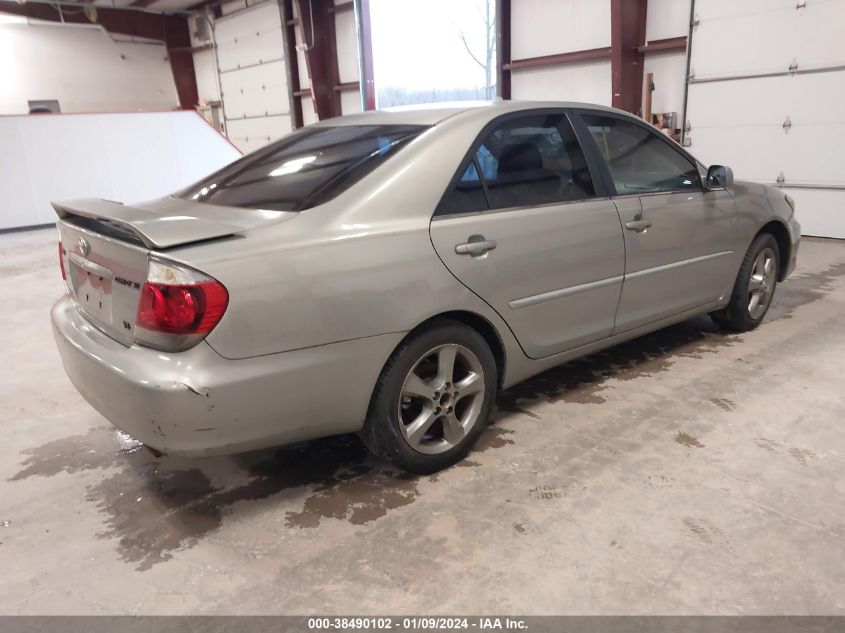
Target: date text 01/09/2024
pixel 417 623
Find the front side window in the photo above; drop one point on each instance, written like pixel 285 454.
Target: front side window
pixel 524 161
pixel 639 160
pixel 304 169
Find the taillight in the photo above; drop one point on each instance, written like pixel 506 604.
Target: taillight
pixel 62 260
pixel 178 307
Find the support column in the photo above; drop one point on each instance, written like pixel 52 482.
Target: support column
pixel 321 57
pixel 503 48
pixel 627 34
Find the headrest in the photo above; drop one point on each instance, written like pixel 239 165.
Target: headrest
pixel 520 157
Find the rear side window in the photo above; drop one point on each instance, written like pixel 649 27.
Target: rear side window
pixel 638 159
pixel 304 169
pixel 524 161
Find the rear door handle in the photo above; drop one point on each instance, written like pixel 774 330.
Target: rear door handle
pixel 638 226
pixel 476 245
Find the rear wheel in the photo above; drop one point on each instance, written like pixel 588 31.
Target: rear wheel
pixel 754 288
pixel 433 398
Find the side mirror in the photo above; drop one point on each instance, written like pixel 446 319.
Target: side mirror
pixel 719 177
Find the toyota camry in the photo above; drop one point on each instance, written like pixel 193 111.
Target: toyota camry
pixel 388 273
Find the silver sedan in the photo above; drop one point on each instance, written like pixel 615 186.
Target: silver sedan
pixel 387 273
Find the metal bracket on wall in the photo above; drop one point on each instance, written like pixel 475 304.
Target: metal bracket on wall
pixel 801 4
pixel 787 125
pixel 793 67
pixel 780 179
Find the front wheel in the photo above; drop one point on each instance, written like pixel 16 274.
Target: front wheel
pixel 754 288
pixel 433 398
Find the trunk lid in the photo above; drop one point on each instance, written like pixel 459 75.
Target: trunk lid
pixel 106 245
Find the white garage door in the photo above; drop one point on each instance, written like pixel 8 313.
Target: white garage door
pixel 253 76
pixel 767 97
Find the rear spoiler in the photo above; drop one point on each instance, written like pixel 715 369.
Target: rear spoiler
pixel 170 221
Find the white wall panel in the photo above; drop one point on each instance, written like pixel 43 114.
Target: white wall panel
pixel 309 116
pixel 347 46
pixel 589 82
pixel 350 102
pixel 256 91
pixel 748 134
pixel 250 37
pixel 741 122
pixel 669 74
pixel 251 134
pixel 205 68
pixel 821 213
pixel 760 36
pixel 547 27
pixel 130 157
pixel 667 18
pixel 253 75
pixel 83 68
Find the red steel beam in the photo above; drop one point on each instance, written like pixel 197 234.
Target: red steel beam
pixel 670 44
pixel 321 57
pixel 627 34
pixel 559 59
pixel 172 30
pixel 503 48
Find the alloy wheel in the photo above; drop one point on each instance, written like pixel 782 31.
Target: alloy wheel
pixel 761 286
pixel 441 398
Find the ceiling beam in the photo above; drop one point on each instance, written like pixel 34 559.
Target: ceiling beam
pixel 171 30
pixel 627 34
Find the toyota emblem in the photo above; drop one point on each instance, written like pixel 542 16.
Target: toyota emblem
pixel 84 246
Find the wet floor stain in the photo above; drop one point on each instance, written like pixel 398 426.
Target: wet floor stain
pixel 800 290
pixel 688 440
pixel 724 404
pixel 97 449
pixel 703 529
pixel 582 381
pixel 154 512
pixel 545 492
pixel 357 499
pixel 800 455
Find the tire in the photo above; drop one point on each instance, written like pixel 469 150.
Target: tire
pixel 757 277
pixel 422 418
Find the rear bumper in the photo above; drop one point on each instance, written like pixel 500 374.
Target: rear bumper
pixel 198 403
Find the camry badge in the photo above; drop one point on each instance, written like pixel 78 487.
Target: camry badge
pixel 84 246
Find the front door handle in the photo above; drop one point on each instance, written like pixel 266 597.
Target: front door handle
pixel 476 245
pixel 639 226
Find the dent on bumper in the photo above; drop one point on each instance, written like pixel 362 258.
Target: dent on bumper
pixel 199 403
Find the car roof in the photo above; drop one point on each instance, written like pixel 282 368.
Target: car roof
pixel 434 113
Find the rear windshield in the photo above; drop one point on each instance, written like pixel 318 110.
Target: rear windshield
pixel 304 169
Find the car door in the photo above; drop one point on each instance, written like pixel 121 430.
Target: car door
pixel 680 239
pixel 524 227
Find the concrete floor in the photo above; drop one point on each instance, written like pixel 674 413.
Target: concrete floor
pixel 684 472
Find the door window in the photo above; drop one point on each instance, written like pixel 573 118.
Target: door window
pixel 524 161
pixel 639 160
